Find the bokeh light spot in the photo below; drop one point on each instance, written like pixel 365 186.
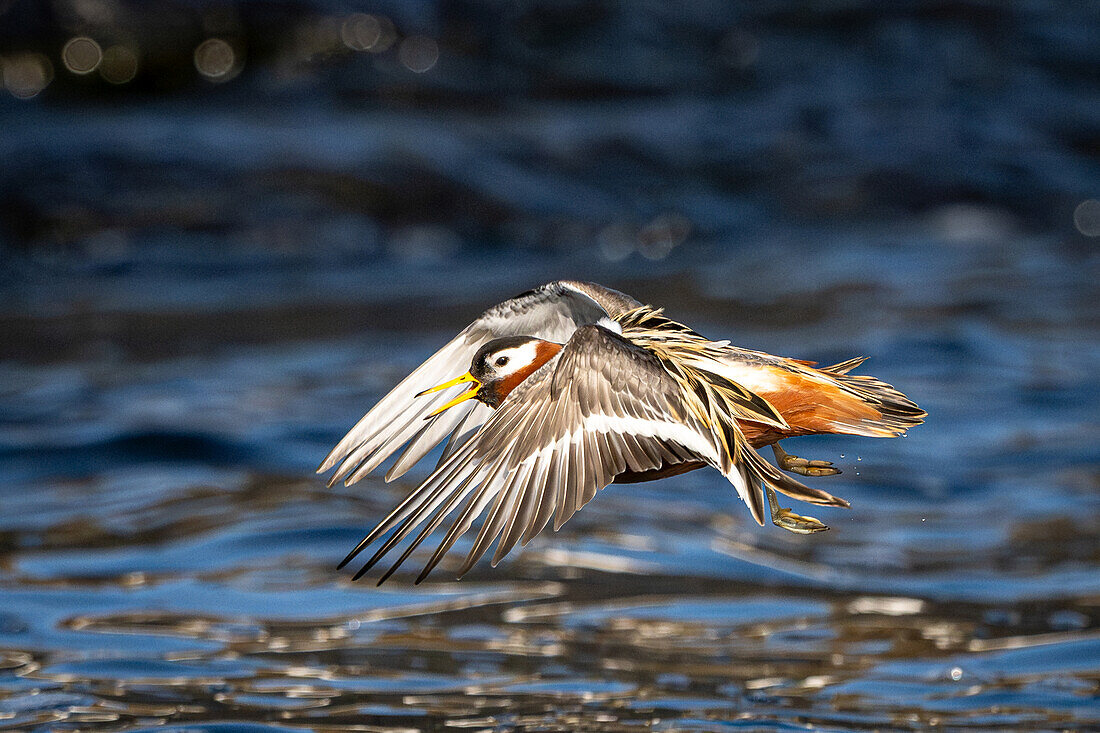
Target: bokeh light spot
pixel 361 32
pixel 666 232
pixel 418 53
pixel 387 35
pixel 81 55
pixel 26 75
pixel 216 60
pixel 1086 217
pixel 96 12
pixel 119 65
pixel 617 241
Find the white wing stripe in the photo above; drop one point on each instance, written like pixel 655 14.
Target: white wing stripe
pixel 651 428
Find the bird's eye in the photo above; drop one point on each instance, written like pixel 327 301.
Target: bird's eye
pixel 501 361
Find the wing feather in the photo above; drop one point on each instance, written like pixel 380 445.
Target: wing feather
pixel 433 431
pixel 466 428
pixel 551 312
pixel 519 486
pixel 441 513
pixel 538 457
pixel 548 497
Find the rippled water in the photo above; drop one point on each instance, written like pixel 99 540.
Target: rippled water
pixel 203 289
pixel 168 555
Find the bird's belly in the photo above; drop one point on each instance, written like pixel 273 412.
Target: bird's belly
pixel 759 435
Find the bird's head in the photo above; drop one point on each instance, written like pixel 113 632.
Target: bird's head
pixel 497 368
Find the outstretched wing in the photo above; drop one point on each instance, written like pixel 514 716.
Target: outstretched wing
pixel 601 407
pixel 551 312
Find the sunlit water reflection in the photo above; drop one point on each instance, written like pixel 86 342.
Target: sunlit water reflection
pixel 170 557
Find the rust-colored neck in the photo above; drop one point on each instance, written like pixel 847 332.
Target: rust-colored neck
pixel 544 352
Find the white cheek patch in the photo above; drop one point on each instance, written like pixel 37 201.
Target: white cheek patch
pixel 519 357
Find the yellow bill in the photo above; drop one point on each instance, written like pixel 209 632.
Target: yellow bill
pixel 467 377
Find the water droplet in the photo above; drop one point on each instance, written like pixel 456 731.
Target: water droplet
pixel 956 673
pixel 841 455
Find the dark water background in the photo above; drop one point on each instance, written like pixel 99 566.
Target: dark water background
pixel 207 279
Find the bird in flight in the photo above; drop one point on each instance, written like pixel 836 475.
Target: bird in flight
pixel 573 386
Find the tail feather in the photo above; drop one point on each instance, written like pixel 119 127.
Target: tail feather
pixel 845 366
pixel 898 412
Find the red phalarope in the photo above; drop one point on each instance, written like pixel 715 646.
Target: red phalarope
pixel 573 386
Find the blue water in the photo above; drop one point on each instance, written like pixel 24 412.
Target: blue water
pixel 204 286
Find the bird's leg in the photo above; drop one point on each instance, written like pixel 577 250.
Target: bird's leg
pixel 790 521
pixel 794 464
